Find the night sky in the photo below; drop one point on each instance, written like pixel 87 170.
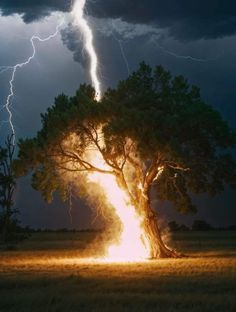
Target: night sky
pixel 193 38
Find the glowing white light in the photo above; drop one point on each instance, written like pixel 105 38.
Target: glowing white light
pixel 132 244
pixel 82 24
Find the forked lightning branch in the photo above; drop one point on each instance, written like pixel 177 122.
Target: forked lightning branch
pixel 83 26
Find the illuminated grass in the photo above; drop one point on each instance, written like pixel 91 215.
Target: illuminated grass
pixel 39 278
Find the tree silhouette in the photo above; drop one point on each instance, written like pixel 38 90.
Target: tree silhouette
pixel 7 187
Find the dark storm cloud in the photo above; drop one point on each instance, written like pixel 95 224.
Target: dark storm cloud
pixel 32 10
pixel 185 19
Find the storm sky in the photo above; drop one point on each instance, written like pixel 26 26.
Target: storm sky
pixel 193 38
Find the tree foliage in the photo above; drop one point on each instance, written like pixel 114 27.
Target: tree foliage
pixel 153 123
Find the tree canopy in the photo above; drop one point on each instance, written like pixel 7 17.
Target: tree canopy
pixel 154 123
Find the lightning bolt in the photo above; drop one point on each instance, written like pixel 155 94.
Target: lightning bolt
pixel 122 52
pixel 185 57
pixel 18 66
pixel 121 49
pixel 171 53
pixel 81 22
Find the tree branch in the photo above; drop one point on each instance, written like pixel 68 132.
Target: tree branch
pixel 176 166
pixel 151 174
pixel 95 140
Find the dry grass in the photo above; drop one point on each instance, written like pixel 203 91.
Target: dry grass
pixel 51 273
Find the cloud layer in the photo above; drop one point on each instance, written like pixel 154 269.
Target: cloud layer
pixel 32 10
pixel 185 20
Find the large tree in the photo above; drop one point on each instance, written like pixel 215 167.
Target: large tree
pixel 155 134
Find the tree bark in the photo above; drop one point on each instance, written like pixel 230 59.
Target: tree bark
pixel 153 233
pixel 150 224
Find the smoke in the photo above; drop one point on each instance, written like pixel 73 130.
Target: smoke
pixel 74 42
pixel 94 195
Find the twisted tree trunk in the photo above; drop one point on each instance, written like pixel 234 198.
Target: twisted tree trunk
pixel 150 224
pixel 152 231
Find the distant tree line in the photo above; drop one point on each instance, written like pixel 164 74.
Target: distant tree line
pixel 198 225
pixel 28 229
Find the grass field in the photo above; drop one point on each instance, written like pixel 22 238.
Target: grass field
pixel 49 272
